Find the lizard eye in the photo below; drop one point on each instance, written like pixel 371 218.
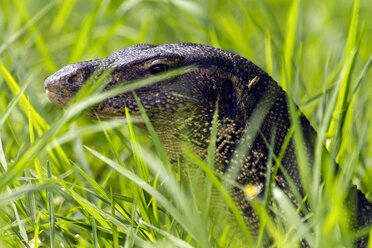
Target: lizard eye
pixel 158 68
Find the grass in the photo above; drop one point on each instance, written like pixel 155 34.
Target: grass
pixel 67 181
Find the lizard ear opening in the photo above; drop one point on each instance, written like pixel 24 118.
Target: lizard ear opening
pixel 228 101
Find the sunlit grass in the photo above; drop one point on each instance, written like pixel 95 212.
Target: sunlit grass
pixel 69 181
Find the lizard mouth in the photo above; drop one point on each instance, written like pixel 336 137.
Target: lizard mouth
pixel 59 99
pixel 154 104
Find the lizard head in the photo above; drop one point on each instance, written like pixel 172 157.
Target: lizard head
pixel 212 82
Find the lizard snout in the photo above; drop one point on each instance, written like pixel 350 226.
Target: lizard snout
pixel 66 82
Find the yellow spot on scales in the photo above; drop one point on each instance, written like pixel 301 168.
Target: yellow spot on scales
pixel 251 191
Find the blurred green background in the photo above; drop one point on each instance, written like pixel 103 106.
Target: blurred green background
pixel 302 44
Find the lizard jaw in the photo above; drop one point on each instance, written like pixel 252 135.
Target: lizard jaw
pixel 59 99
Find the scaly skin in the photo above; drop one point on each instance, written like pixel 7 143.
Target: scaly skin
pixel 185 105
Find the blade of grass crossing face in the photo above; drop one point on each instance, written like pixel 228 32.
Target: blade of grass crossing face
pixel 94 84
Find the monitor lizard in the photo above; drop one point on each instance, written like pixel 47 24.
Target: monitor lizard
pixel 186 104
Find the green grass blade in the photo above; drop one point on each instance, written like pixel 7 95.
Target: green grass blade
pixel 175 241
pixel 114 227
pixel 344 91
pixel 20 225
pixel 21 191
pixel 83 35
pixel 363 74
pixel 40 41
pixel 292 217
pixel 13 103
pixel 268 53
pixel 62 15
pixel 36 231
pixel 94 231
pixel 51 210
pixel 290 40
pixel 2 157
